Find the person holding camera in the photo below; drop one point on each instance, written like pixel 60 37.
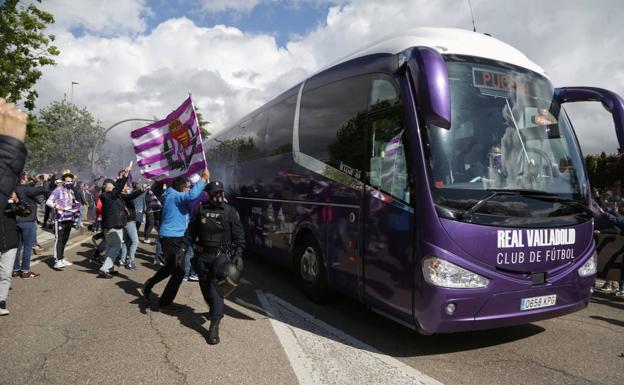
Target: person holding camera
pixel 27 226
pixel 12 159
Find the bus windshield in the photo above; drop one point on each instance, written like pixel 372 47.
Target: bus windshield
pixel 508 134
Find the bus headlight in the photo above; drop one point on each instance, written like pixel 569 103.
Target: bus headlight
pixel 440 272
pixel 590 267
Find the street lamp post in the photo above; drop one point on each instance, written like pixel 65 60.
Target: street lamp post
pixel 72 91
pixel 101 137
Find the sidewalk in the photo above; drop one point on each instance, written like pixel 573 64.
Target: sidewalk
pixel 45 238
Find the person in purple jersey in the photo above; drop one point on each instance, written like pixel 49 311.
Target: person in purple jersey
pixel 66 212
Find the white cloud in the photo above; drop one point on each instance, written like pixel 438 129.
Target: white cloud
pixel 110 17
pixel 215 6
pixel 230 72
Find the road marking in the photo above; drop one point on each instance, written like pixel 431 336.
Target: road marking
pixel 321 354
pixel 67 248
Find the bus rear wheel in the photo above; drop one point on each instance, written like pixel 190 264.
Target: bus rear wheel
pixel 311 270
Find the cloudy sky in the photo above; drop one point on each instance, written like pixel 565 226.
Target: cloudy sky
pixel 140 58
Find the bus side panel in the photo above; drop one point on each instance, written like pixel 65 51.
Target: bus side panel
pixel 388 255
pixel 345 265
pixel 276 198
pixel 262 199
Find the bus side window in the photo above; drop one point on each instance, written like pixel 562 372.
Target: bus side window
pixel 383 94
pixel 242 143
pixel 387 165
pixel 279 131
pixel 332 124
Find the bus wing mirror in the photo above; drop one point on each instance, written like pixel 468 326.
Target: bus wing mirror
pixel 611 101
pixel 431 82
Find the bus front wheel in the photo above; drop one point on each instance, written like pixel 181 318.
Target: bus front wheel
pixel 311 270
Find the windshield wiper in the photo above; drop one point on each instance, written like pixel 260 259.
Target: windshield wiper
pixel 467 214
pixel 536 194
pixel 566 201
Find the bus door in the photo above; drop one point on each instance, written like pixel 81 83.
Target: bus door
pixel 388 218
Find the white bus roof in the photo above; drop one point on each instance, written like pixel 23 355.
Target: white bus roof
pixel 449 41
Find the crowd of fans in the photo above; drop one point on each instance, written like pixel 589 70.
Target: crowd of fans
pixel 608 206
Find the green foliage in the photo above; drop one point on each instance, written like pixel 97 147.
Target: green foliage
pixel 62 137
pixel 24 49
pixel 603 170
pixel 241 149
pixel 202 125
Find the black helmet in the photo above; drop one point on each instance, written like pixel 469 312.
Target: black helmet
pixel 214 186
pixel 227 277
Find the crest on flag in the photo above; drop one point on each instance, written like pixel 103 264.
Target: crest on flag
pixel 170 147
pixel 179 149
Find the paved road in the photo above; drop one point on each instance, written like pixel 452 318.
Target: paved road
pixel 70 328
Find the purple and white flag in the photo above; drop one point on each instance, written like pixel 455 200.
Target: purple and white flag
pixel 393 146
pixel 170 147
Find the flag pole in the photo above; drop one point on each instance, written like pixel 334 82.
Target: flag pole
pixel 198 129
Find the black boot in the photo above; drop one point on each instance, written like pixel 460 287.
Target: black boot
pixel 147 290
pixel 213 332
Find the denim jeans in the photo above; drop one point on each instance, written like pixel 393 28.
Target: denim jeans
pixel 81 216
pixel 27 234
pixel 6 263
pixel 187 262
pixel 114 241
pixel 159 251
pixel 129 249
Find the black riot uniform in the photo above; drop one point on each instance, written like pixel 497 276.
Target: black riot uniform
pixel 217 234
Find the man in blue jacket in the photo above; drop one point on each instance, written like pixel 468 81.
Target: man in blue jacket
pixel 173 224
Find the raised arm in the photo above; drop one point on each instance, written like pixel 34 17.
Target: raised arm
pixel 119 184
pixel 200 183
pixel 12 148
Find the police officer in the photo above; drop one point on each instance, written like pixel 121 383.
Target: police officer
pixel 219 239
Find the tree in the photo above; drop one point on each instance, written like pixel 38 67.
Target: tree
pixel 202 125
pixel 62 137
pixel 24 49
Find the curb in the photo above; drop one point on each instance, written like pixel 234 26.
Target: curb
pixel 48 253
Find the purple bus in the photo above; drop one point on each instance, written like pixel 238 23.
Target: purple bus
pixel 433 176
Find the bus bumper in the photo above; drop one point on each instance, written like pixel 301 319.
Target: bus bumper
pixel 503 309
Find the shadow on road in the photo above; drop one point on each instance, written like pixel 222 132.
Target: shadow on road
pixel 347 315
pixel 608 300
pixel 354 319
pixel 609 320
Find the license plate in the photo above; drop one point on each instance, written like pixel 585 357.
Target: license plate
pixel 538 302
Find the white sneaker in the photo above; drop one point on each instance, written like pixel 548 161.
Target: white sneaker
pixel 66 262
pixel 4 311
pixel 59 264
